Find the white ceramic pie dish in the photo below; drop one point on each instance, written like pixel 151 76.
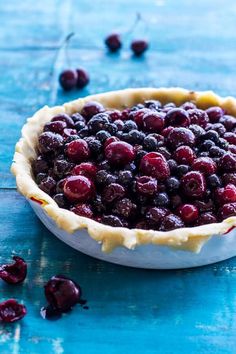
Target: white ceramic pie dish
pixel 218 248
pixel 181 248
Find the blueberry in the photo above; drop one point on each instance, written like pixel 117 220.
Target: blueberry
pixel 102 135
pixel 136 136
pixel 111 128
pixel 182 170
pixel 98 122
pixel 161 200
pixel 206 145
pixel 129 125
pixel 211 135
pixel 79 125
pixel 125 177
pixel 150 143
pixel 172 184
pixel 95 146
pixel 214 181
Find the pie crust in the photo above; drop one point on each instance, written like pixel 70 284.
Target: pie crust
pixel 189 238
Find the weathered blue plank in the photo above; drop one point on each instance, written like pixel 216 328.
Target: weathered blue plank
pixel 129 310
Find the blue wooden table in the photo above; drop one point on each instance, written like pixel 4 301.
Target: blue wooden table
pixel 193 44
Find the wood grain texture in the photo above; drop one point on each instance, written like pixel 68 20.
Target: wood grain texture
pixel 135 311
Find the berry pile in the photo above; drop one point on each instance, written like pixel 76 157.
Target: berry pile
pixel 150 166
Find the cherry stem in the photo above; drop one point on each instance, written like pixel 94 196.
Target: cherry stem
pixel 56 66
pixel 64 44
pixel 138 18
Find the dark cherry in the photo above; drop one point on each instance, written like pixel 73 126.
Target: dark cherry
pixel 48 185
pixel 55 127
pixel 120 153
pixel 146 185
pixel 62 293
pixel 78 188
pixel 68 79
pixel 205 165
pixel 214 114
pixel 154 164
pixel 227 210
pixel 177 117
pixel 125 207
pixel 62 167
pixel 229 122
pixel 206 218
pixel 115 115
pixel 139 46
pixel 137 116
pixel 63 117
pixel 227 163
pixel 188 213
pixel 229 178
pixel 232 149
pixel 68 132
pixel 112 220
pixel 77 117
pixel 113 42
pixel 156 214
pixel 226 194
pixel 11 311
pixel 77 150
pixel 175 201
pixel 171 222
pixel 180 136
pixel 188 105
pixel 83 209
pixel 82 78
pixel 14 273
pixel 199 117
pixel 193 184
pixel 230 137
pixel 153 121
pixel 110 140
pixel 49 142
pixel 87 169
pixel 184 155
pixel 40 165
pixel 91 108
pixel 113 192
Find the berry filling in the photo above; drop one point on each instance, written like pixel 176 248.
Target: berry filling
pixel 151 166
